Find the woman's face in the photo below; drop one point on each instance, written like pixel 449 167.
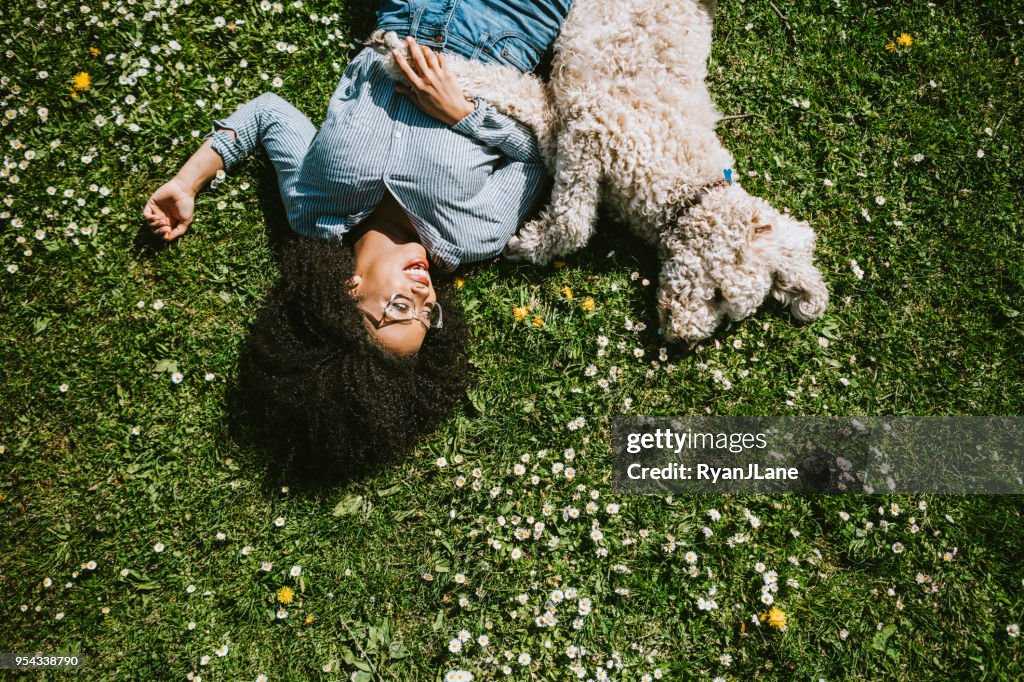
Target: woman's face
pixel 392 263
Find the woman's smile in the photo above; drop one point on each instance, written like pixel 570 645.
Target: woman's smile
pixel 416 270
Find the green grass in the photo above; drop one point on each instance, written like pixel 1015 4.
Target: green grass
pixel 933 327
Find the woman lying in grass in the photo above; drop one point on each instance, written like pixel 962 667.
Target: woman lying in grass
pixel 359 350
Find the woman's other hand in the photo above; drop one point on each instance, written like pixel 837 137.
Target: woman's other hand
pixel 170 210
pixel 434 88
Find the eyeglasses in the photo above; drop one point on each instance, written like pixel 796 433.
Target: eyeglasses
pixel 401 309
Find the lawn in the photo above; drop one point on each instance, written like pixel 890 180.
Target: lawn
pixel 145 528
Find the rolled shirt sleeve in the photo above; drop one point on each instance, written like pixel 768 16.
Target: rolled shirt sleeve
pixel 494 129
pixel 222 143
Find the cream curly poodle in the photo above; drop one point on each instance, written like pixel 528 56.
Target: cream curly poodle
pixel 635 128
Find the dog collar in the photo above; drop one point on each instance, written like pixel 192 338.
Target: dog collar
pixel 695 198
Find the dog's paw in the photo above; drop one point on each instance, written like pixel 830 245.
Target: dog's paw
pixel 688 318
pixel 522 249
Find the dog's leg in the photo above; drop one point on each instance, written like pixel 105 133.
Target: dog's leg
pixel 802 288
pixel 786 254
pixel 689 303
pixel 567 222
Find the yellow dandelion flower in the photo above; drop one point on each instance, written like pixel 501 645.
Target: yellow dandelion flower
pixel 588 303
pixel 777 618
pixel 890 47
pixel 763 617
pixel 520 312
pixel 538 321
pixel 567 292
pixel 309 620
pixel 285 595
pixel 94 51
pixel 459 282
pixel 905 40
pixel 81 81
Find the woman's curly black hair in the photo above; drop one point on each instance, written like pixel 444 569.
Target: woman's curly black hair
pixel 326 394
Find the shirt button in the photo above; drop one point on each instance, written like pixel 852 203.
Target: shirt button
pixel 398 135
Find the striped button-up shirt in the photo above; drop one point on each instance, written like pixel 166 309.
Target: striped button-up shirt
pixel 466 188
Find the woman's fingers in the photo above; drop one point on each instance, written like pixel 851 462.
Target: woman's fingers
pixel 171 235
pixel 151 212
pixel 409 72
pixel 154 216
pixel 160 227
pixel 432 59
pixel 418 57
pixel 169 211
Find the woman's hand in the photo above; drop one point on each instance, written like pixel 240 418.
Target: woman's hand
pixel 434 88
pixel 170 210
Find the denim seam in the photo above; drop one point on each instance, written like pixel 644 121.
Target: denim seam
pixel 503 61
pixel 520 36
pixel 414 19
pixel 451 15
pixel 450 38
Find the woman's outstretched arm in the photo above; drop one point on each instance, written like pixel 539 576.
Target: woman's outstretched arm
pixel 266 121
pixel 171 209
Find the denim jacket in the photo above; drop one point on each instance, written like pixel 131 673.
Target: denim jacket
pixel 515 33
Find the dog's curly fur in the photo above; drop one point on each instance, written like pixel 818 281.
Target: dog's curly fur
pixel 635 129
